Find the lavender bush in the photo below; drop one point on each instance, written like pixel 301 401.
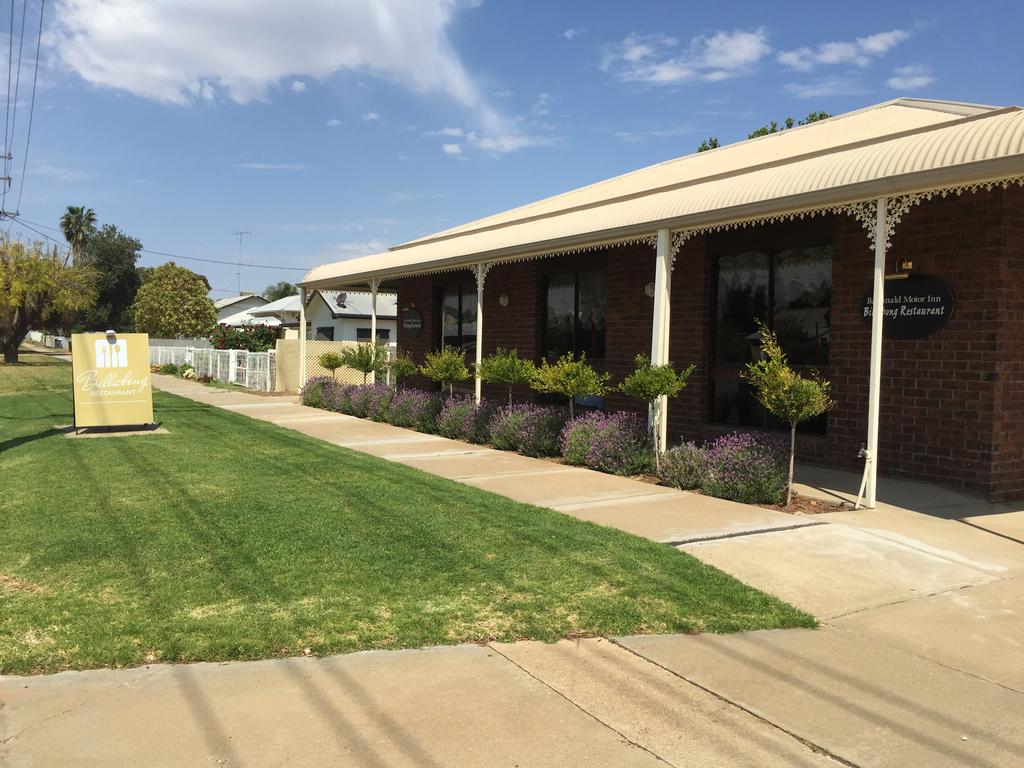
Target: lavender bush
pixel 530 429
pixel 312 393
pixel 618 443
pixel 338 397
pixel 684 466
pixel 371 401
pixel 747 468
pixel 415 408
pixel 462 418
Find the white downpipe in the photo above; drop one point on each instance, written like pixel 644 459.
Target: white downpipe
pixel 660 324
pixel 875 372
pixel 374 285
pixel 302 338
pixel 481 275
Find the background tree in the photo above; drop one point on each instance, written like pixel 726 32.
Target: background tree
pixel 112 254
pixel 279 290
pixel 366 357
pixel 172 303
pixel 36 285
pixel 768 128
pixel 78 223
pixel 331 361
pixel 650 383
pixel 505 367
pixel 785 393
pixel 570 378
pixel 446 366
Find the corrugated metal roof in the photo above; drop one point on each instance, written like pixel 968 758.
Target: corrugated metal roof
pixel 358 303
pixel 894 148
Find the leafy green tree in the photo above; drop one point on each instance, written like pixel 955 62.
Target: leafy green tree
pixel 650 383
pixel 505 367
pixel 446 366
pixel 366 358
pixel 768 128
pixel 35 286
pixel 570 378
pixel 331 361
pixel 402 367
pixel 78 224
pixel 785 393
pixel 172 303
pixel 279 291
pixel 112 254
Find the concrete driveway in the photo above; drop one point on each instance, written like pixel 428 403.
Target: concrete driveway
pixel 919 661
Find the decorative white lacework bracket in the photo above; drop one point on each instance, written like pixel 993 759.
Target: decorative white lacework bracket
pixel 481 271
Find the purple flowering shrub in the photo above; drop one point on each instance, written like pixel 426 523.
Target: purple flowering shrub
pixel 530 429
pixel 747 468
pixel 618 443
pixel 416 408
pixel 684 466
pixel 338 397
pixel 371 401
pixel 313 392
pixel 462 419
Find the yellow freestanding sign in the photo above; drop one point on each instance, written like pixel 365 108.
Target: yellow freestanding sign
pixel 111 379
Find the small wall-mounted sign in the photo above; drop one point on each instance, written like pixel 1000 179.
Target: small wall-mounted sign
pixel 914 308
pixel 412 323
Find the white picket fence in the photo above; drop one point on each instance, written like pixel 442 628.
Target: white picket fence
pixel 253 370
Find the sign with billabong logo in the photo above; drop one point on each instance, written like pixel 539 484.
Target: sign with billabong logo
pixel 111 379
pixel 914 307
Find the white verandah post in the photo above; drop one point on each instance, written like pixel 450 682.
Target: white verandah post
pixel 875 372
pixel 302 337
pixel 374 285
pixel 660 325
pixel 481 275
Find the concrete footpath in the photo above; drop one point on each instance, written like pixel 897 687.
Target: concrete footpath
pixel 919 662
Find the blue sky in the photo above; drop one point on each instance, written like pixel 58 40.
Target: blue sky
pixel 333 128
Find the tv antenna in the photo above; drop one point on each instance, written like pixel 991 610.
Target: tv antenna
pixel 238 274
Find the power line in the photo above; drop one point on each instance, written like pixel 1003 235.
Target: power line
pixel 165 254
pixel 31 110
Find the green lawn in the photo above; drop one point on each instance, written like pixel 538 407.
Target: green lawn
pixel 234 539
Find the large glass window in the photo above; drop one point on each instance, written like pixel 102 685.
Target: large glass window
pixel 791 292
pixel 458 317
pixel 575 316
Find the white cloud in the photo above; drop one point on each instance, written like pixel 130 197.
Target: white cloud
pixel 452 150
pixel 352 249
pixel 369 117
pixel 634 137
pixel 542 105
pixel 910 78
pixel 504 93
pixel 859 52
pixel 500 144
pixel 333 122
pixel 272 166
pixel 451 132
pixel 58 172
pixel 659 60
pixel 187 51
pixel 835 86
pixel 573 32
pixel 298 86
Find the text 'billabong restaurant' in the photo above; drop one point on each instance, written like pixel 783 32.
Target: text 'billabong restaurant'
pixel 915 203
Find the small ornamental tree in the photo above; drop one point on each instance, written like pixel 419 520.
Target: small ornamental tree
pixel 505 367
pixel 446 366
pixel 570 378
pixel 402 367
pixel 785 393
pixel 366 358
pixel 172 303
pixel 650 383
pixel 331 361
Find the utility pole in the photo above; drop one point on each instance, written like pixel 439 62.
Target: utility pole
pixel 238 275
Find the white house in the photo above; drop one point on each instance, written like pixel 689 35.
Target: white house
pixel 335 315
pixel 232 305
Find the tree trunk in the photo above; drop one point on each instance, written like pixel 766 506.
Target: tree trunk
pixel 571 415
pixel 510 394
pixel 792 457
pixel 10 352
pixel 656 434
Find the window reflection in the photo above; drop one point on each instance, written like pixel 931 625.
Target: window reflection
pixel 576 314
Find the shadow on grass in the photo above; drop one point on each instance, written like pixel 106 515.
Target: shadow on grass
pixel 14 442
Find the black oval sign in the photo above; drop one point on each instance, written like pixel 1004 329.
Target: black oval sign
pixel 914 307
pixel 412 323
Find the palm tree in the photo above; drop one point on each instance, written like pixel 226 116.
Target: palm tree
pixel 77 224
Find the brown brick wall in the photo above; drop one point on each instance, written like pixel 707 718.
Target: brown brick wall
pixel 952 403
